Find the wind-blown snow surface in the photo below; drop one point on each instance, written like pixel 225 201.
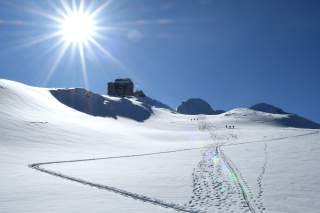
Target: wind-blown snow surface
pixel 169 162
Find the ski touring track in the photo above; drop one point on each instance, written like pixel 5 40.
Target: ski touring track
pixel 242 185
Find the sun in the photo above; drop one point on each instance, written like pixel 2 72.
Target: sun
pixel 77 27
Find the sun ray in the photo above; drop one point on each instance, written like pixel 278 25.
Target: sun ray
pixel 56 45
pixel 111 28
pixel 74 6
pixel 84 66
pixel 78 31
pixel 73 51
pixel 99 9
pixel 40 39
pixel 46 15
pixel 81 6
pixel 58 10
pixel 57 61
pixel 66 7
pixel 89 8
pixel 107 53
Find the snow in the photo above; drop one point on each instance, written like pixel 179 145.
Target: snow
pixel 289 172
pixel 54 158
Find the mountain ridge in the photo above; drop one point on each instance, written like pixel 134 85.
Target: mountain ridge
pixel 140 109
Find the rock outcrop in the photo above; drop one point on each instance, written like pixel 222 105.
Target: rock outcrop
pixel 138 108
pixel 195 106
pixel 121 88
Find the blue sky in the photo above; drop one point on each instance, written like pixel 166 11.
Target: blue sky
pixel 231 53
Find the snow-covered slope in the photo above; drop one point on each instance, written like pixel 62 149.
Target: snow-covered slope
pixel 55 158
pixel 290 120
pixel 138 109
pixel 36 127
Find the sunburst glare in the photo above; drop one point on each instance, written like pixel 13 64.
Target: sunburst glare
pixel 76 26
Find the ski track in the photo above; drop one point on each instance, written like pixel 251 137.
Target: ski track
pixel 249 200
pixel 211 188
pixel 234 181
pixel 241 183
pixel 212 192
pixel 259 202
pixel 135 196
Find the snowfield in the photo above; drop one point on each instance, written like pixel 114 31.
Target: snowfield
pixel 55 156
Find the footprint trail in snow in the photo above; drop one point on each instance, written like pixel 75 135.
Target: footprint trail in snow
pixel 214 189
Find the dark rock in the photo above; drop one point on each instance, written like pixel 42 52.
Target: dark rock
pixel 219 111
pixel 139 93
pixel 121 88
pixel 98 105
pixel 195 106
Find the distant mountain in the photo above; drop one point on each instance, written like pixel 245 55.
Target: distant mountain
pixel 297 121
pixel 290 120
pixel 34 103
pixel 195 106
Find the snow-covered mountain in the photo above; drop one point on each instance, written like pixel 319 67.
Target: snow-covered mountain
pixel 290 120
pixel 55 156
pixel 258 113
pixel 264 107
pixel 196 106
pixel 136 108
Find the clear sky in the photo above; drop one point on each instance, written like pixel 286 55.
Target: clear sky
pixel 231 53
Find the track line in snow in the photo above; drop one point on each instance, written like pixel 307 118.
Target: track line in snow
pixel 236 180
pixel 172 151
pixel 212 192
pixel 182 208
pixel 260 179
pixel 272 139
pixel 141 197
pixel 240 181
pixel 121 156
pixel 122 192
pixel 253 203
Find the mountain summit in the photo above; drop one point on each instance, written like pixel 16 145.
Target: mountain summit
pixel 195 106
pixel 264 107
